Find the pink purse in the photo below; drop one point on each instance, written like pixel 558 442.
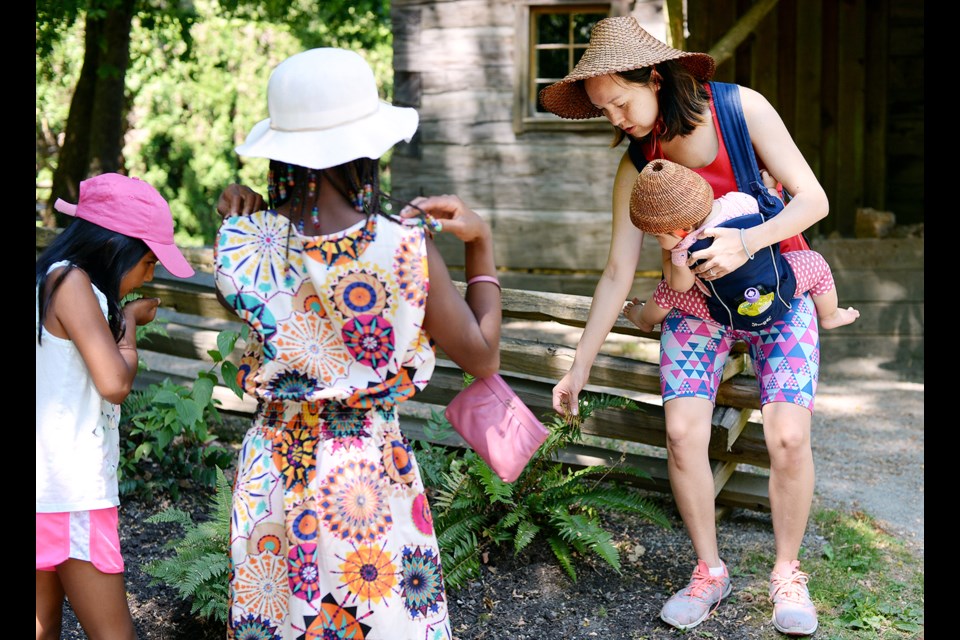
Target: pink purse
pixel 497 425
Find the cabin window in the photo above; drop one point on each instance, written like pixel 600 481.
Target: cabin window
pixel 551 39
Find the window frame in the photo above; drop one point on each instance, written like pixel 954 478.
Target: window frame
pixel 524 102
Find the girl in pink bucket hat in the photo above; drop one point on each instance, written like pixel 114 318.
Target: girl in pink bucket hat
pixel 86 363
pixel 332 530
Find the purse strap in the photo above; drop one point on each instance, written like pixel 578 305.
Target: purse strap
pixel 736 137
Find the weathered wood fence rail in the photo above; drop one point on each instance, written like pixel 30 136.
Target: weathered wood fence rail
pixel 617 437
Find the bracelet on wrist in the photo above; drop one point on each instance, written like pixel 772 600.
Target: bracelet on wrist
pixel 743 243
pixel 490 279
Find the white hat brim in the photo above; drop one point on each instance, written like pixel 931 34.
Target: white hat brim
pixel 367 137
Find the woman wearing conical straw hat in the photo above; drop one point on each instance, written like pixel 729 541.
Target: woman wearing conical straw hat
pixel 658 98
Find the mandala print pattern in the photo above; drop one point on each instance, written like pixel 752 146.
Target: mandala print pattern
pixel 331 533
pixel 308 342
pixel 256 252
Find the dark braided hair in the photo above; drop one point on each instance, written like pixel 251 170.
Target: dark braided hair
pixel 289 182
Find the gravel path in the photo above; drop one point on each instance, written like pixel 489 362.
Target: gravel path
pixel 868 448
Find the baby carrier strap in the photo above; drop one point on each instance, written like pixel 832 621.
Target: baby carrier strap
pixel 736 136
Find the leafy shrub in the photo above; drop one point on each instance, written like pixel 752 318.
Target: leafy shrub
pixel 165 437
pixel 199 569
pixel 474 509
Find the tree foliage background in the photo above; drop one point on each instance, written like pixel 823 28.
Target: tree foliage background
pixel 194 86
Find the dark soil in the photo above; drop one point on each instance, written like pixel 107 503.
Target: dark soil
pixel 528 597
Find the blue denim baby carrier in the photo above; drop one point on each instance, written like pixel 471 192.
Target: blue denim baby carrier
pixel 757 294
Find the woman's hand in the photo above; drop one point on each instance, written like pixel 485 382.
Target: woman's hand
pixel 726 254
pixel 566 394
pixel 238 199
pixel 453 214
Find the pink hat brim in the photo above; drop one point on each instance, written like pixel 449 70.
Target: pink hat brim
pixel 171 259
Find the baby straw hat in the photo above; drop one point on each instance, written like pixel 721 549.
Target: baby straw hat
pixel 616 44
pixel 325 111
pixel 667 196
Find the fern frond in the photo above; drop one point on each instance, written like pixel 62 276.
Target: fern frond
pixel 454 531
pixel 171 516
pixel 460 562
pixel 618 500
pixel 526 532
pixel 586 534
pixel 493 486
pixel 561 550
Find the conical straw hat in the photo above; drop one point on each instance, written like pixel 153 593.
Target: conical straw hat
pixel 616 44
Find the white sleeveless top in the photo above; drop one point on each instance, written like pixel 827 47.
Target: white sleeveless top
pixel 78 441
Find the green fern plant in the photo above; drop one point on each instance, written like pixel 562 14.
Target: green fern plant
pixel 473 509
pixel 199 568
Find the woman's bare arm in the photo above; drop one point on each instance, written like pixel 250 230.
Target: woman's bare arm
pixel 777 151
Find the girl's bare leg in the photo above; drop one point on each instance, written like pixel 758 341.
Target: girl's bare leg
pixel 49 605
pixel 99 600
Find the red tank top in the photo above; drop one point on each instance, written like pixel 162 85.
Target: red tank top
pixel 719 173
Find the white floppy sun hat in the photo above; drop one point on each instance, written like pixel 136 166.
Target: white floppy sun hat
pixel 325 111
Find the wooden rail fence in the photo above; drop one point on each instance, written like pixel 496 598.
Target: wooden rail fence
pixel 530 365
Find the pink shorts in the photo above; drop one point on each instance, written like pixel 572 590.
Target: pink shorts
pixel 82 535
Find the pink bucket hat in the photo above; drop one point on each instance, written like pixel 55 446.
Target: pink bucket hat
pixel 134 208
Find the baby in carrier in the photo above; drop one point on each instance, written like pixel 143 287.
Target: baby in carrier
pixel 675 205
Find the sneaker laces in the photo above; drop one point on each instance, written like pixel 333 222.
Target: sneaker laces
pixel 702 583
pixel 792 588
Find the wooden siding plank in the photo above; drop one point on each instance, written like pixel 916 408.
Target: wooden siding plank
pixel 829 168
pixel 808 88
pixel 875 108
pixel 851 112
pixel 787 65
pixel 764 52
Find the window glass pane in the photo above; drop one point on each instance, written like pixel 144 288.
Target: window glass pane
pixel 552 28
pixel 552 63
pixel 582 23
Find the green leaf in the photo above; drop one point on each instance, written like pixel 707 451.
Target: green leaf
pixel 203 390
pixel 225 342
pixel 189 411
pixel 229 372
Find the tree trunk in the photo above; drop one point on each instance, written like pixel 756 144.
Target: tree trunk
pixel 93 136
pixel 72 159
pixel 106 124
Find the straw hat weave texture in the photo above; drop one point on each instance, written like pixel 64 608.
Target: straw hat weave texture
pixel 667 196
pixel 616 44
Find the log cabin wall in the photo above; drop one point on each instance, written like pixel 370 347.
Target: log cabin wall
pixel 847 79
pixel 853 103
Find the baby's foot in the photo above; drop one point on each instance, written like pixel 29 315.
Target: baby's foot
pixel 839 318
pixel 633 312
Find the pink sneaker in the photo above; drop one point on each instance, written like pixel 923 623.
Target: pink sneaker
pixel 793 611
pixel 691 605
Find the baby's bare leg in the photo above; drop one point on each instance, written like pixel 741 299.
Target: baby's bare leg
pixel 829 312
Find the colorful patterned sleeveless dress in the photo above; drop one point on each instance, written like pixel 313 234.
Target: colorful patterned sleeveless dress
pixel 332 535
